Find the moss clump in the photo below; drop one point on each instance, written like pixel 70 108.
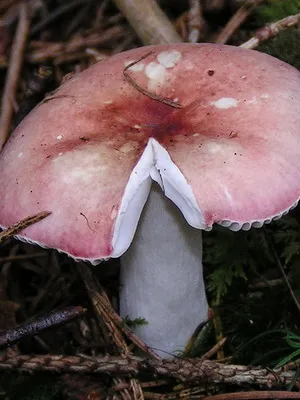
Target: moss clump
pixel 284 46
pixel 273 10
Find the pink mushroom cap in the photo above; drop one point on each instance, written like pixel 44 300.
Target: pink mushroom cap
pixel 229 155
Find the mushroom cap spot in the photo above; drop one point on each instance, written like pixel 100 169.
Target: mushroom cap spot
pixel 135 67
pixel 169 58
pixel 225 102
pixel 238 166
pixel 156 73
pixel 80 166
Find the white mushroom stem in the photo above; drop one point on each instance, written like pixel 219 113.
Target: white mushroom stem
pixel 161 277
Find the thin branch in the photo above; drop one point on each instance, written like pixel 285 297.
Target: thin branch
pixel 236 20
pixel 58 12
pixel 102 307
pixel 271 30
pixel 19 226
pixel 40 51
pixel 214 349
pixel 259 395
pixel 193 370
pixel 149 22
pixel 144 91
pixel 112 320
pixel 196 23
pixel 54 319
pixel 13 73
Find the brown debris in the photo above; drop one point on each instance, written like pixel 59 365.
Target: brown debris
pixel 13 74
pixel 148 21
pixel 69 37
pixel 54 319
pixel 271 30
pixel 196 23
pixel 144 91
pixel 194 370
pixel 236 20
pixel 19 226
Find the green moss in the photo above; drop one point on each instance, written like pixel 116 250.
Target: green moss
pixel 284 46
pixel 255 320
pixel 133 323
pixel 273 10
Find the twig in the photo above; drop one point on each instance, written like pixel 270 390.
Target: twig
pixel 5 4
pixel 259 395
pixel 192 370
pixel 214 5
pixel 266 284
pixel 102 306
pixel 144 91
pixel 112 319
pixel 136 390
pixel 214 349
pixel 148 21
pixel 19 226
pixel 104 311
pixel 236 20
pixel 42 51
pixel 196 22
pixel 291 365
pixel 58 12
pixel 56 318
pixel 217 323
pixel 156 383
pixel 271 30
pixel 13 73
pixel 278 262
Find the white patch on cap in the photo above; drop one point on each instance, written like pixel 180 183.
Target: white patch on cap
pixel 135 67
pixel 226 193
pixel 225 102
pixel 20 154
pixel 213 147
pixel 59 137
pixel 253 100
pixel 156 74
pixel 83 174
pixel 108 102
pixel 169 58
pixel 80 166
pixel 128 147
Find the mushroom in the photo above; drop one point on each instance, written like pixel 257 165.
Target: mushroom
pixel 216 127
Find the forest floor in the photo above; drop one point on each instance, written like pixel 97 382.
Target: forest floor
pixel 61 335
